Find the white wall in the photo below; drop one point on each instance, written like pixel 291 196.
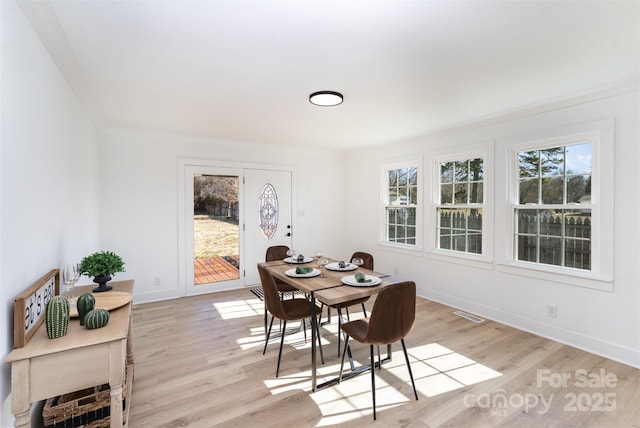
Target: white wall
pixel 61 199
pixel 607 323
pixel 49 206
pixel 140 199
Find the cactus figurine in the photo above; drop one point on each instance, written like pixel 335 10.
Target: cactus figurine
pixel 57 316
pixel 85 303
pixel 96 318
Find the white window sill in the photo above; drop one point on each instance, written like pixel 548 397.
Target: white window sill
pixel 568 276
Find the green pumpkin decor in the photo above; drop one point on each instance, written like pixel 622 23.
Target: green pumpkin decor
pixel 57 316
pixel 85 303
pixel 96 318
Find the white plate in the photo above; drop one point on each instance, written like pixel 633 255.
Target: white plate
pixel 295 260
pixel 292 273
pixel 347 266
pixel 351 280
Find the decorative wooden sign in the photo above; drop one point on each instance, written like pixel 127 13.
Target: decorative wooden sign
pixel 29 307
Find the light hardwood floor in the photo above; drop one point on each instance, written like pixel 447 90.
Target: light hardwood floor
pixel 199 363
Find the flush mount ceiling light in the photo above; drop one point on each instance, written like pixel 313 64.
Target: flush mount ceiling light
pixel 325 98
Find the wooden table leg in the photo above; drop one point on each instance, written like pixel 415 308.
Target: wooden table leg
pixel 117 355
pixel 130 341
pixel 20 404
pixel 116 406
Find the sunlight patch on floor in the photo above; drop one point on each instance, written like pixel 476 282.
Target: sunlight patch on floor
pixel 239 308
pixel 255 340
pixel 351 399
pixel 437 369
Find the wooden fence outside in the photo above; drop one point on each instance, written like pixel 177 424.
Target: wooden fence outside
pixel 576 250
pixel 222 209
pixel 560 240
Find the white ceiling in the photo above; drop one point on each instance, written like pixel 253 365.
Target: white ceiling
pixel 244 69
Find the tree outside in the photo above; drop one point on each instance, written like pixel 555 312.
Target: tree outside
pixel 215 206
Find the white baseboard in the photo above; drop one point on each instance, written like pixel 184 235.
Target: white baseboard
pixel 176 293
pixel 591 344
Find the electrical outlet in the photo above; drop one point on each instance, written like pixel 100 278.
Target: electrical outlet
pixel 156 281
pixel 552 311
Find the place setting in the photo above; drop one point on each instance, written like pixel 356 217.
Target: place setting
pixel 341 266
pixel 296 259
pixel 360 279
pixel 302 272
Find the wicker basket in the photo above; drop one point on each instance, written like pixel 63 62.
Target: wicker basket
pixel 87 408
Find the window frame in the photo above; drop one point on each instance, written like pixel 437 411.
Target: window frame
pixel 453 205
pixel 540 206
pixel 412 162
pixel 484 150
pixel 600 134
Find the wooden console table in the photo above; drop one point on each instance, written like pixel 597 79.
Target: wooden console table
pixel 83 358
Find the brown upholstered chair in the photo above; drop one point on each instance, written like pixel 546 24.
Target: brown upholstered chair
pixel 368 264
pixel 286 310
pixel 277 252
pixel 392 318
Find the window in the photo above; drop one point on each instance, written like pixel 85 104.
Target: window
pixel 400 204
pixel 552 216
pixel 558 221
pixel 459 208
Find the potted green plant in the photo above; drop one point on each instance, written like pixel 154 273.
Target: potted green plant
pixel 101 266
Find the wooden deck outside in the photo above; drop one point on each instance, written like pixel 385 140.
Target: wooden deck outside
pixel 214 269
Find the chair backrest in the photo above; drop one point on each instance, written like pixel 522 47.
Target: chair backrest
pixel 393 314
pixel 368 259
pixel 271 294
pixel 277 252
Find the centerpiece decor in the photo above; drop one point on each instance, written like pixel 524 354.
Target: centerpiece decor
pixel 101 266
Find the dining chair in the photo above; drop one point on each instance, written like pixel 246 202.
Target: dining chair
pixel 392 318
pixel 294 309
pixel 368 264
pixel 277 252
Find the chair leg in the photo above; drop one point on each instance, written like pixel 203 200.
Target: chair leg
pixel 304 329
pixel 266 341
pixel 373 380
pixel 266 336
pixel 406 357
pixel 280 352
pixel 364 309
pixel 346 345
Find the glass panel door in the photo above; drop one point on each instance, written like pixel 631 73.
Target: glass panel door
pixel 229 218
pixel 213 238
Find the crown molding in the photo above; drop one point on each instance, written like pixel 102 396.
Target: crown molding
pixel 619 87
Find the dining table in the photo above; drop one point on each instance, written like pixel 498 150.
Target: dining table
pixel 329 288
